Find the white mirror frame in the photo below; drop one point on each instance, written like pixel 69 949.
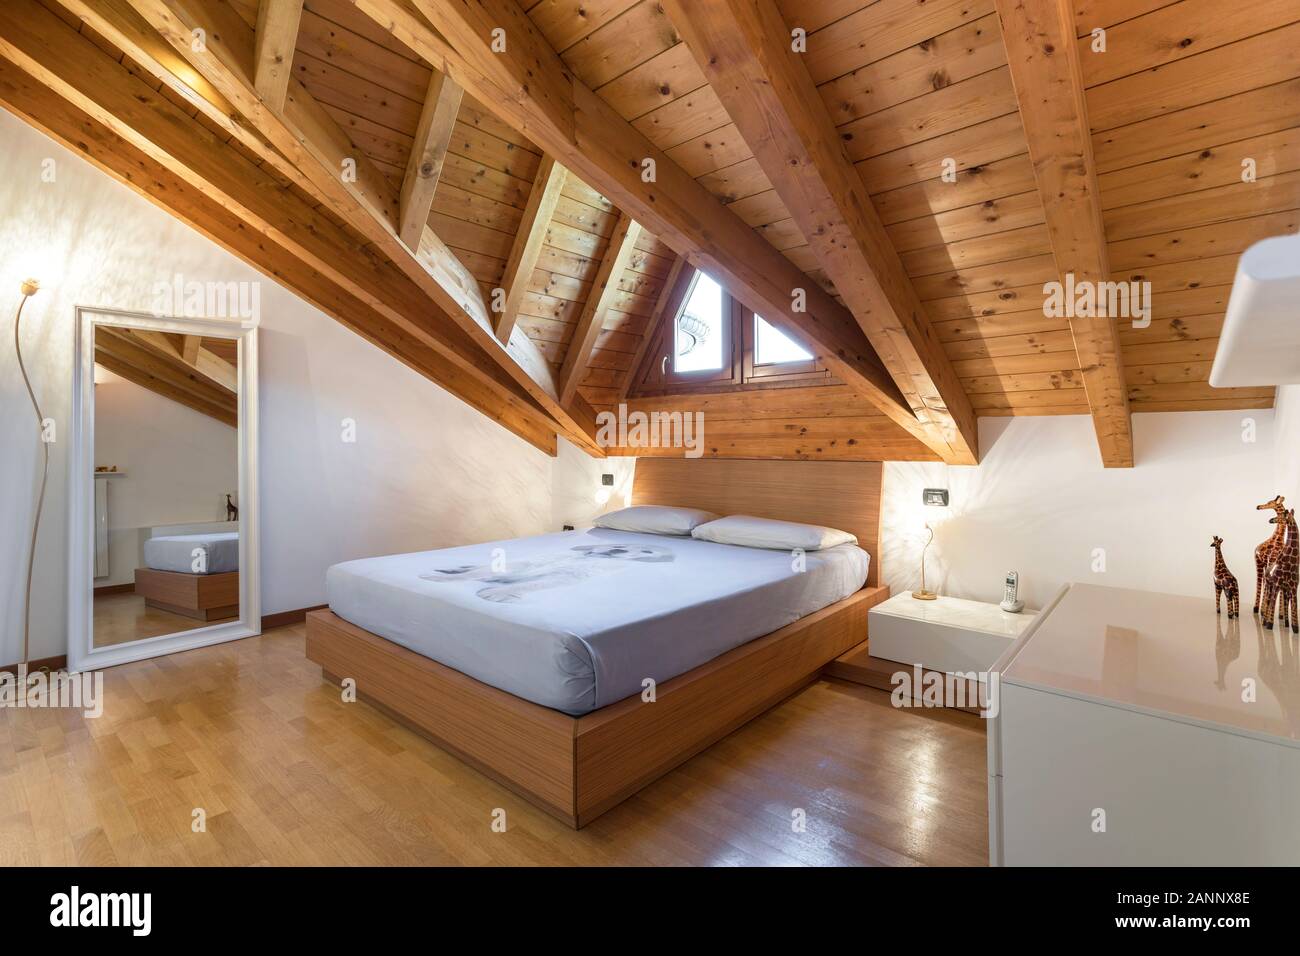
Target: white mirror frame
pixel 82 654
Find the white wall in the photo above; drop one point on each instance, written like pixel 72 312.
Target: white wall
pixel 177 466
pixel 1040 503
pixel 426 469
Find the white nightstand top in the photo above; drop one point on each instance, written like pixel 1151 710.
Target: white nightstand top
pixel 957 612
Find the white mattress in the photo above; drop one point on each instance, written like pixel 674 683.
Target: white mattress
pixel 579 619
pixel 175 552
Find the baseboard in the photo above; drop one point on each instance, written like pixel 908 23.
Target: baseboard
pixel 127 588
pixel 282 618
pixel 45 663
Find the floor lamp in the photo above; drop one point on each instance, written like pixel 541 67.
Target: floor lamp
pixel 29 289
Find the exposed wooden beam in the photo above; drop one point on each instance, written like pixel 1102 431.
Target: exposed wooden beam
pixel 354 190
pixel 744 49
pixel 120 367
pixel 204 396
pixel 529 87
pixel 215 370
pixel 199 206
pixel 1044 60
pixel 277 38
pixel 529 239
pixel 428 152
pixel 669 301
pixel 604 287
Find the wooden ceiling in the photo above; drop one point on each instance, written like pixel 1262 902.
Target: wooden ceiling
pixel 196 371
pixel 484 215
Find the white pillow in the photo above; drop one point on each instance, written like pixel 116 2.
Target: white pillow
pixel 655 519
pixel 751 532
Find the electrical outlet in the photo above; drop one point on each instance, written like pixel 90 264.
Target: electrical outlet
pixel 568 527
pixel 935 497
pixel 607 480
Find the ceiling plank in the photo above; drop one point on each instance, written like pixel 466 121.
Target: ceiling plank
pixel 669 301
pixel 743 47
pixel 355 190
pixel 604 287
pixel 1047 77
pixel 428 152
pixel 277 38
pixel 529 87
pixel 529 239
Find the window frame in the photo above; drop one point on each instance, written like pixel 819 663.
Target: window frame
pixel 754 370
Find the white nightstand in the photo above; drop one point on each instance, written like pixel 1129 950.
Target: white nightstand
pixel 948 634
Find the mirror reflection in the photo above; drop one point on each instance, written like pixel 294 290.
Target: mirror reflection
pixel 166 555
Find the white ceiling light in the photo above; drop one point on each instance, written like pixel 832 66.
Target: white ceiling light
pixel 1260 342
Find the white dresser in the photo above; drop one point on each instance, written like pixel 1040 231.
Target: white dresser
pixel 1136 728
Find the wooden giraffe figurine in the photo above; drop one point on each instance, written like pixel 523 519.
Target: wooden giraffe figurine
pixel 1281 576
pixel 1265 550
pixel 1225 582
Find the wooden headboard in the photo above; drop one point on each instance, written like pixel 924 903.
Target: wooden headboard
pixel 836 494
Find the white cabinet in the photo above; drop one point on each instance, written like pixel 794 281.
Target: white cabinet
pixel 1136 728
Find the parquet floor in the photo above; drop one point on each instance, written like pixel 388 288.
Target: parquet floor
pixel 287 773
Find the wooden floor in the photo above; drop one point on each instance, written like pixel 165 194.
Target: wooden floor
pixel 119 618
pixel 289 774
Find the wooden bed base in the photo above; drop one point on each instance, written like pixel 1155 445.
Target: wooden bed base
pixel 206 597
pixel 576 768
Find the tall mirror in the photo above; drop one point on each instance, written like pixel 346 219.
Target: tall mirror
pixel 166 472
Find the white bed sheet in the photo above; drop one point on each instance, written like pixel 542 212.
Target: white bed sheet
pixel 175 552
pixel 578 620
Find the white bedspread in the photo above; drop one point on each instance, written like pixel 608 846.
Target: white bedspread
pixel 176 552
pixel 579 619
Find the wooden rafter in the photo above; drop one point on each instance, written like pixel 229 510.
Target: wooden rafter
pixel 667 304
pixel 1044 60
pixel 428 153
pixel 201 207
pixel 74 67
pixel 604 287
pixel 744 49
pixel 353 189
pixel 528 86
pixel 214 369
pixel 277 37
pixel 529 239
pixel 125 353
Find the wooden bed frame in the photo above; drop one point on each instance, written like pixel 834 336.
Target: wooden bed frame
pixel 576 768
pixel 207 597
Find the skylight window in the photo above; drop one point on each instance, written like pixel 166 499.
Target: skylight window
pixel 699 333
pixel 773 347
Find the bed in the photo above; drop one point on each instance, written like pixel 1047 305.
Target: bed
pixel 195 575
pixel 577 667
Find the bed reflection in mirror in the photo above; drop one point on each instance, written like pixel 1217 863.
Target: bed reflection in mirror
pixel 166 446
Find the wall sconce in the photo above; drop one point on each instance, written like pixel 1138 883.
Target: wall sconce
pixel 936 498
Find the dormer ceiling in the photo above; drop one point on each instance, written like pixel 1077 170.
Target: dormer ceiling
pixel 890 183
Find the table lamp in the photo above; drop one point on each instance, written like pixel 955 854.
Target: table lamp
pixel 932 498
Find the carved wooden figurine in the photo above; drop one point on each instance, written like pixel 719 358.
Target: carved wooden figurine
pixel 1265 550
pixel 1281 575
pixel 232 510
pixel 1225 582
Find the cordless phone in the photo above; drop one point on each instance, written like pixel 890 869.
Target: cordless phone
pixel 1010 601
